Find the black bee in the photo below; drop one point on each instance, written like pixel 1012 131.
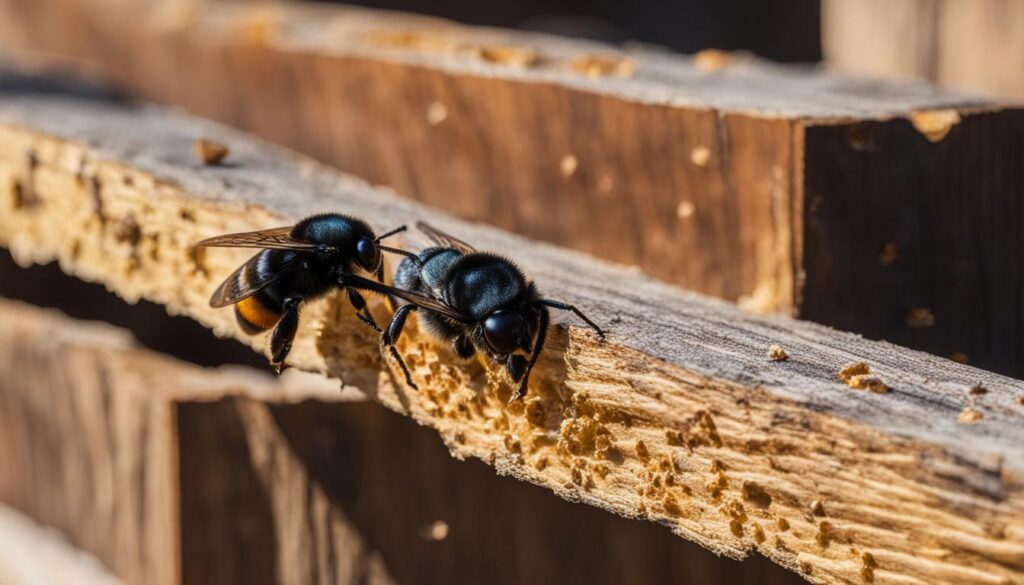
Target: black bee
pixel 296 264
pixel 477 301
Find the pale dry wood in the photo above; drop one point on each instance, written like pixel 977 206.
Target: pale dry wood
pixel 880 38
pixel 679 417
pixel 33 555
pixel 972 46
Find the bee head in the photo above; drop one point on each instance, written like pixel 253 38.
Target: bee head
pixel 368 254
pixel 507 330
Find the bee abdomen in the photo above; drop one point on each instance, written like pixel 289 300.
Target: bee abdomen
pixel 254 314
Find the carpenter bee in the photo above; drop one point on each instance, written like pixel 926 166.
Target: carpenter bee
pixel 296 264
pixel 475 300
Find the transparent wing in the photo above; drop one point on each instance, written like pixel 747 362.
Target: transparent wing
pixel 410 297
pixel 273 238
pixel 444 240
pixel 247 281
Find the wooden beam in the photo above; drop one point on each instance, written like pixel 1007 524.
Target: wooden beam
pixel 88 436
pixel 277 482
pixel 720 174
pixel 976 46
pixel 679 417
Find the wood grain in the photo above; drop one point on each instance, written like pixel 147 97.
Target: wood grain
pixel 280 483
pixel 696 170
pixel 679 417
pixel 481 122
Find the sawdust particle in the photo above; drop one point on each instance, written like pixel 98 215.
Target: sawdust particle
pixel 710 60
pixel 436 113
pixel 777 354
pixel 970 416
pixel 920 318
pixel 435 531
pixel 888 255
pixel 935 124
pixel 518 57
pixel 568 165
pixel 868 382
pixel 595 66
pixel 685 209
pixel 817 508
pixel 700 156
pixel 959 357
pixel 210 152
pixel 853 369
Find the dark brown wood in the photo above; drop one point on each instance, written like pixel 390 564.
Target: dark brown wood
pixel 953 236
pixel 352 493
pixel 694 170
pixel 679 417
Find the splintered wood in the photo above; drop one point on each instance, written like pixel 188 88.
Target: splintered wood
pixel 677 418
pixel 765 180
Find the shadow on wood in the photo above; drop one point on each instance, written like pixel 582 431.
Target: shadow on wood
pixel 354 491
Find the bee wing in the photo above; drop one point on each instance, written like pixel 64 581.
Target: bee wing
pixel 410 297
pixel 274 238
pixel 444 240
pixel 247 281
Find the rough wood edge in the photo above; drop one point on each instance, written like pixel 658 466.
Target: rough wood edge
pixel 679 418
pixel 730 83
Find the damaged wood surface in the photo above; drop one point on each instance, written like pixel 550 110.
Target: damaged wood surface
pixel 174 474
pixel 721 174
pixel 680 417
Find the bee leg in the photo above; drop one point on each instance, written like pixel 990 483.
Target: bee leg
pixel 542 335
pixel 284 333
pixel 567 307
pixel 362 311
pixel 390 336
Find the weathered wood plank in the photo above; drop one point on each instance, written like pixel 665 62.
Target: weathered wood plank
pixel 704 172
pixel 284 483
pixel 679 417
pixel 88 435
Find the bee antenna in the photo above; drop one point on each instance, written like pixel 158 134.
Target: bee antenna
pixel 398 229
pixel 401 252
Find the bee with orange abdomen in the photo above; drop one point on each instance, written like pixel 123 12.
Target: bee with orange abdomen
pixel 297 264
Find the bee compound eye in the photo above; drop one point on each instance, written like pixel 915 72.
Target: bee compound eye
pixel 369 253
pixel 503 330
